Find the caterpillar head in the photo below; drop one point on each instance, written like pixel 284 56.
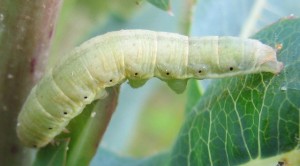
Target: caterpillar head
pixel 267 60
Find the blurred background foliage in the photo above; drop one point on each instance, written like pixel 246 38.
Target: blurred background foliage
pixel 148 119
pixel 149 122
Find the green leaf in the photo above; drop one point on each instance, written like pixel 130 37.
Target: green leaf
pixel 86 130
pixel 162 4
pixel 249 119
pixel 194 92
pixel 52 155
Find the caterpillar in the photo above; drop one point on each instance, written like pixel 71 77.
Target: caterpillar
pixel 136 56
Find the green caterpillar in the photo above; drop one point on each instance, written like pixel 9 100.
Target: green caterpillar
pixel 136 56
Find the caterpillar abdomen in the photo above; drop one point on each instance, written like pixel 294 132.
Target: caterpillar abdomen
pixel 136 56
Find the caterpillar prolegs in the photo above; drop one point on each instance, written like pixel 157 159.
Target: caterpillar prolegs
pixel 136 56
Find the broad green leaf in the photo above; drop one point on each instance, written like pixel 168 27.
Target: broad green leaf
pixel 162 4
pixel 194 92
pixel 53 154
pixel 248 119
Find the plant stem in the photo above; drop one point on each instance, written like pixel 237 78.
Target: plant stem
pixel 26 29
